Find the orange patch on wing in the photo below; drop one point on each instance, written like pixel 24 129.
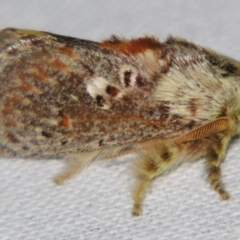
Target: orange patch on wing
pixel 56 63
pixel 67 51
pixel 66 121
pixel 9 123
pixel 11 137
pixel 39 72
pixel 25 85
pixel 42 74
pixel 132 46
pixel 112 91
pixel 7 110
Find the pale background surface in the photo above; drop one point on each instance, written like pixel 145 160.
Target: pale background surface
pixel 97 204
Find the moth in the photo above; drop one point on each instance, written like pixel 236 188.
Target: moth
pixel 167 102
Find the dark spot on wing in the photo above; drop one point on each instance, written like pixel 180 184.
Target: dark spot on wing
pixel 112 91
pixel 100 101
pixel 47 134
pixel 100 143
pixel 64 142
pixel 12 138
pixel 127 78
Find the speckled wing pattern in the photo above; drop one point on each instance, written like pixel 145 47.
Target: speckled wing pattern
pixel 60 94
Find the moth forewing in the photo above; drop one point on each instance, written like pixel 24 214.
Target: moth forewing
pixel 78 100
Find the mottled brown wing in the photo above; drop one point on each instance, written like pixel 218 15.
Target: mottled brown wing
pixel 60 94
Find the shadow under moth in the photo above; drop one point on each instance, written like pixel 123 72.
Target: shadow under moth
pixel 167 102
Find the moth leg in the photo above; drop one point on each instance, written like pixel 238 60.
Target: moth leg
pixel 214 157
pixel 143 184
pixel 156 160
pixel 74 164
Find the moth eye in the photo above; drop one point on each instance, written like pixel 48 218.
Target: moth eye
pixel 128 76
pixel 112 91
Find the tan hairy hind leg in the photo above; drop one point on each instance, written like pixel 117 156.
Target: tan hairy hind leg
pixel 154 161
pixel 143 184
pixel 214 157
